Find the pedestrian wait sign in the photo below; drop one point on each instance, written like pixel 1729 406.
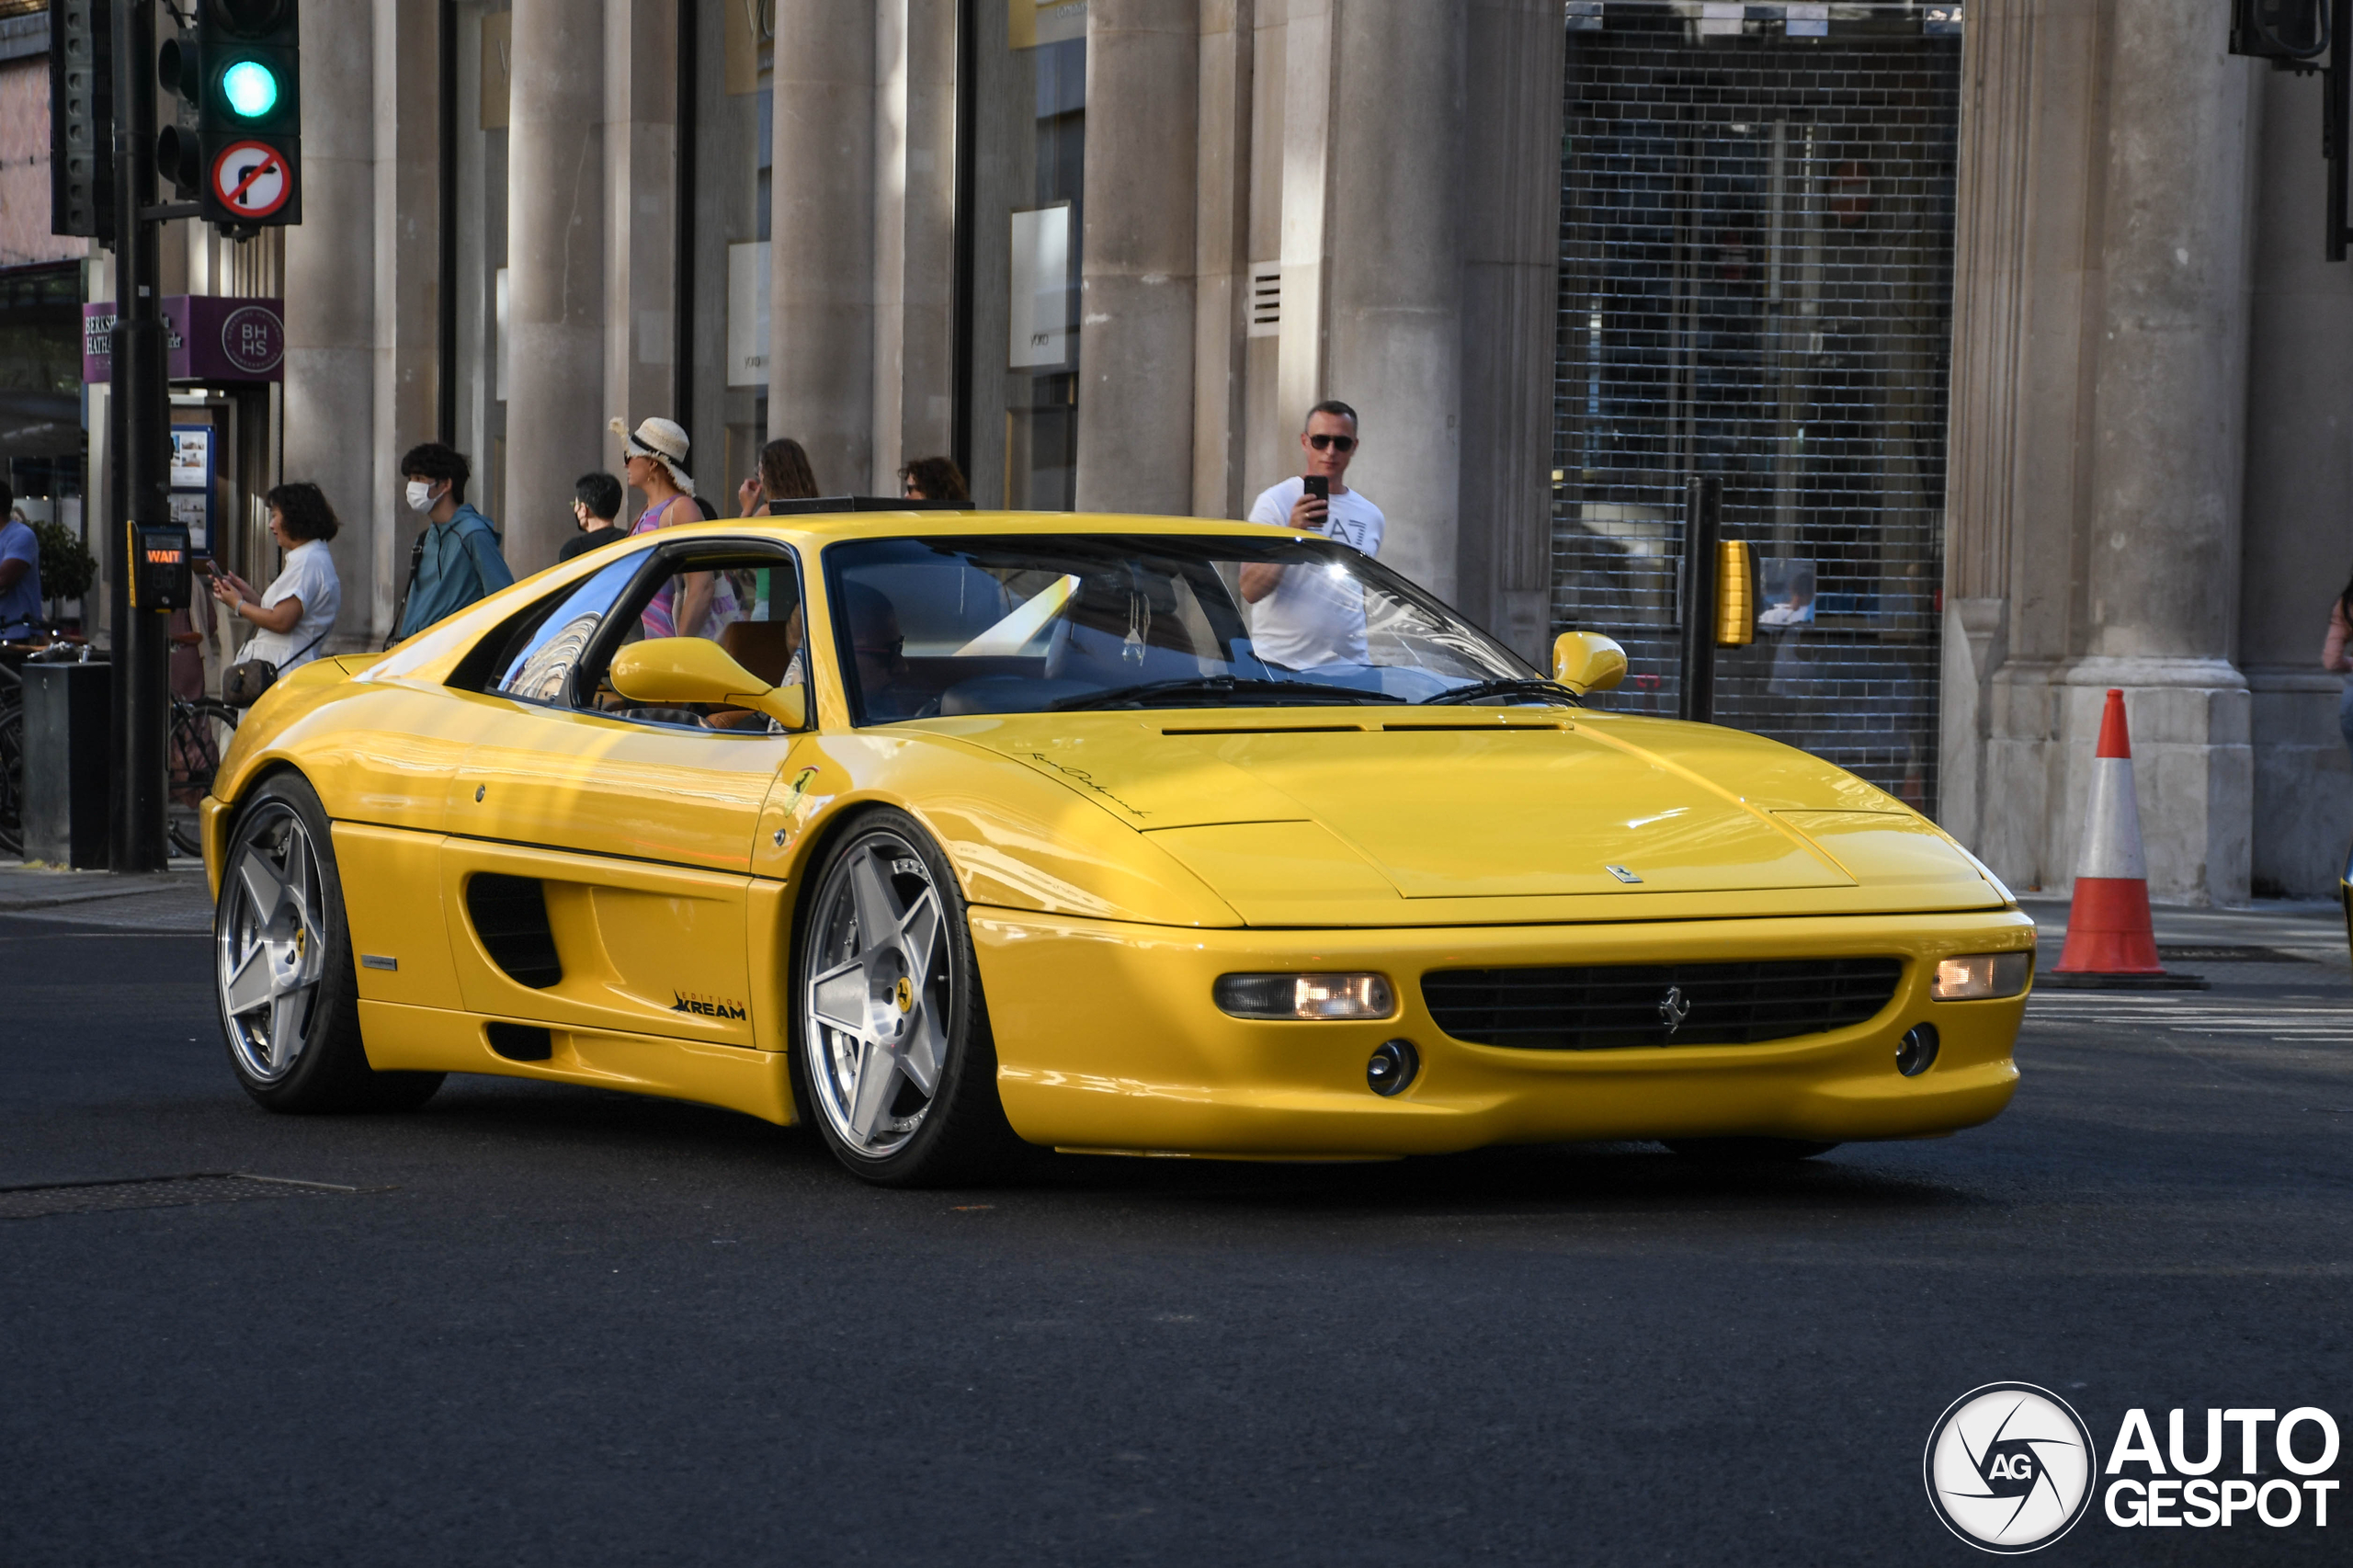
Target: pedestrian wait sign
pixel 250 179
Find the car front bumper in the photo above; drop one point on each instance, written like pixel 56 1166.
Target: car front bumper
pixel 1106 1039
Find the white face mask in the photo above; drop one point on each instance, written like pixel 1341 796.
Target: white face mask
pixel 420 496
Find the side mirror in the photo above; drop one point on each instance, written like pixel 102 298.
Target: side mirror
pixel 695 669
pixel 1587 660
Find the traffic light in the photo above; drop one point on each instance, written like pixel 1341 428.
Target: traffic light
pixel 80 118
pixel 2293 33
pixel 237 147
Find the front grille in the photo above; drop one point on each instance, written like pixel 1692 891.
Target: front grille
pixel 1614 1007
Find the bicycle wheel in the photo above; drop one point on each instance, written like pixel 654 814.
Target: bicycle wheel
pixel 12 776
pixel 199 738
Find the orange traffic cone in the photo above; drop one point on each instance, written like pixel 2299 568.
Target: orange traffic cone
pixel 2110 941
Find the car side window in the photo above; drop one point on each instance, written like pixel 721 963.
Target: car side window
pixel 742 596
pixel 539 669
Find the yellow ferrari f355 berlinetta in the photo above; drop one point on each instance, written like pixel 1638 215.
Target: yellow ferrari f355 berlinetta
pixel 953 832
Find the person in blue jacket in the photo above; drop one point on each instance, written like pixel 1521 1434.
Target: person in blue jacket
pixel 456 560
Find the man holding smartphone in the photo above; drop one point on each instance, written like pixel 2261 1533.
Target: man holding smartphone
pixel 1301 618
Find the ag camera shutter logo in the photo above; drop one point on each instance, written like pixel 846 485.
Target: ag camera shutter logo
pixel 2009 1467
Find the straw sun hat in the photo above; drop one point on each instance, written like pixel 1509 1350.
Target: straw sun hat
pixel 663 440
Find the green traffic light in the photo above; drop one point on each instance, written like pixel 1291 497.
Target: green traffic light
pixel 251 88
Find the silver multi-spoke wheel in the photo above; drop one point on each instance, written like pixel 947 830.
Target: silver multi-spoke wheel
pixel 270 941
pixel 880 996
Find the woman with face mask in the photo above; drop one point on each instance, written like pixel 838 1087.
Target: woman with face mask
pixel 456 560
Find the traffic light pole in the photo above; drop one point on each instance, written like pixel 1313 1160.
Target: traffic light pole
pixel 139 434
pixel 1703 507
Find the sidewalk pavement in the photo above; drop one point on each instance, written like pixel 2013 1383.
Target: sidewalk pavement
pixel 175 899
pixel 2283 930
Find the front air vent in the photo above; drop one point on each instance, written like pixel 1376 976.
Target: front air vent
pixel 1615 1007
pixel 510 915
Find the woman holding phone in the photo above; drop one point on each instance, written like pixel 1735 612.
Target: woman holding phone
pixel 292 616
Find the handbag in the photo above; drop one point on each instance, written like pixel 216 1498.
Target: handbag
pixel 243 683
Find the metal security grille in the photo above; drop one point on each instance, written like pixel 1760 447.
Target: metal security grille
pixel 1615 1007
pixel 1756 283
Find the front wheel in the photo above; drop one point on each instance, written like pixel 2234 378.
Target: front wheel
pixel 288 993
pixel 894 1059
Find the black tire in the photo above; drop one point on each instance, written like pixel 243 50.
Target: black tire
pixel 283 976
pixel 192 752
pixel 1747 1151
pixel 928 1017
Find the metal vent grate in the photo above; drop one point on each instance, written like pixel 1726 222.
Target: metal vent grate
pixel 150 1192
pixel 1265 299
pixel 1756 282
pixel 1614 1006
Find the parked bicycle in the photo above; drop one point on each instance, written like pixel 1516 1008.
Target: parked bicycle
pixel 196 739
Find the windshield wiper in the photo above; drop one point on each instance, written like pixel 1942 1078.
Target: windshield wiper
pixel 1510 685
pixel 1215 686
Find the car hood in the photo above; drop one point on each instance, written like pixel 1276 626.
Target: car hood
pixel 1307 815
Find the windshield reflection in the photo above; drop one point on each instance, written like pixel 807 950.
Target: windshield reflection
pixel 948 626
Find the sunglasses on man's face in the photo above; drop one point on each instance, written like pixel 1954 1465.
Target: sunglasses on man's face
pixel 1342 444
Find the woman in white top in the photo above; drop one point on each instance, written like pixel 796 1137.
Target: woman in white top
pixel 292 618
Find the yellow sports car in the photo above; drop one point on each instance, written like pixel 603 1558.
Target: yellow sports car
pixel 954 832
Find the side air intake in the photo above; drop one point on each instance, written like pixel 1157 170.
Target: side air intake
pixel 510 915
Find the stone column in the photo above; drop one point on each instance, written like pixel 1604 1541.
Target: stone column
pixel 1511 270
pixel 1222 255
pixel 821 252
pixel 1135 334
pixel 926 274
pixel 556 265
pixel 330 300
pixel 1395 238
pixel 641 170
pixel 2168 451
pixel 2298 507
pixel 407 276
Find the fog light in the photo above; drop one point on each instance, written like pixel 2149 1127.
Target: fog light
pixel 1394 1064
pixel 1981 977
pixel 1355 996
pixel 1918 1051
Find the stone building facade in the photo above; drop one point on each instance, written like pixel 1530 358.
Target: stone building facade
pixel 2087 425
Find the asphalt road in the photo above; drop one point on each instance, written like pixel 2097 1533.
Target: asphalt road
pixel 552 1325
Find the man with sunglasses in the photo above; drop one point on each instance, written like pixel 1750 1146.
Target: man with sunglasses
pixel 1301 619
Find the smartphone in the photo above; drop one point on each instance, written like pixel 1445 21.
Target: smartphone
pixel 1320 486
pixel 203 565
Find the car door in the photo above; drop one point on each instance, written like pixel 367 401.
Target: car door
pixel 598 854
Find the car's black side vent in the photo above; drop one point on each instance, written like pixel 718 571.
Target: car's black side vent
pixel 520 1042
pixel 510 915
pixel 1613 1006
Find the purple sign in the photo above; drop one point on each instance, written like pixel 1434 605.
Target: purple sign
pixel 207 338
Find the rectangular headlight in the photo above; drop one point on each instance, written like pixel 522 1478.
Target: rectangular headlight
pixel 1981 977
pixel 1305 995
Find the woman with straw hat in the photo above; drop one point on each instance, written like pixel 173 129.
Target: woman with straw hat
pixel 655 456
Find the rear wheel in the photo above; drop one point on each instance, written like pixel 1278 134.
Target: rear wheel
pixel 288 993
pixel 1747 1151
pixel 893 1061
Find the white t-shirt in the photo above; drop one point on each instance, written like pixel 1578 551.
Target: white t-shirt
pixel 308 576
pixel 1314 618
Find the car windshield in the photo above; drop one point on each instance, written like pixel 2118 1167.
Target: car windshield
pixel 949 626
